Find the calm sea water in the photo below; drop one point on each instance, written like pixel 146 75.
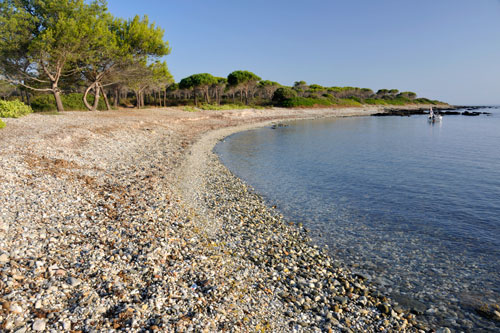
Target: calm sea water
pixel 414 205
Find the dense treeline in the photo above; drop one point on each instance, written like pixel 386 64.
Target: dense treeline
pixel 73 54
pixel 244 87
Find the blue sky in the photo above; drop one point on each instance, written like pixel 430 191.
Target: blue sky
pixel 443 49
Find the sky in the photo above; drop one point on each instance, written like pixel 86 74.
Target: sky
pixel 440 49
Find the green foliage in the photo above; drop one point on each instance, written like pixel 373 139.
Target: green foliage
pixel 316 87
pixel 281 95
pixel 267 83
pixel 228 107
pixel 373 101
pixel 48 34
pixel 13 109
pixel 242 77
pixel 349 102
pixel 73 102
pixel 2 124
pixel 198 81
pixel 190 109
pixel 407 94
pixel 426 101
pixel 141 38
pixel 305 102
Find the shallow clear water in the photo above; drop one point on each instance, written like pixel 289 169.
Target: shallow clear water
pixel 414 205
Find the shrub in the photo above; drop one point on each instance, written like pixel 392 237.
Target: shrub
pixel 190 109
pixel 2 124
pixel 283 94
pixel 349 102
pixel 228 107
pixel 71 102
pixel 305 102
pixel 426 101
pixel 43 103
pixel 14 109
pixel 373 101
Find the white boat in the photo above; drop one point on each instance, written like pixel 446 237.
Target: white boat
pixel 434 116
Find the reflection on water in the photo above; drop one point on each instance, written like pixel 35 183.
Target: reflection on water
pixel 413 204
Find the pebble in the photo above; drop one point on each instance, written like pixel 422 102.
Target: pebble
pixel 153 233
pixel 74 282
pixel 4 258
pixel 39 325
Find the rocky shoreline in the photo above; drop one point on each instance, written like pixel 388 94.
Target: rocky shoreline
pixel 125 220
pixel 445 110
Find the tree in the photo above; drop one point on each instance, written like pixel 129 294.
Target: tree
pixel 45 37
pixel 119 44
pixel 366 92
pixel 161 78
pixel 218 88
pixel 199 83
pixel 138 76
pixel 100 60
pixel 382 93
pixel 407 94
pixel 6 89
pixel 300 86
pixel 268 87
pixel 282 94
pixel 245 81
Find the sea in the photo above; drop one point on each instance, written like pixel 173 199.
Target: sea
pixel 412 205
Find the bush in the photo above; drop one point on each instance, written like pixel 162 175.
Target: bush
pixel 349 102
pixel 190 109
pixel 14 109
pixel 283 94
pixel 71 102
pixel 305 102
pixel 2 124
pixel 427 101
pixel 228 107
pixel 43 103
pixel 373 101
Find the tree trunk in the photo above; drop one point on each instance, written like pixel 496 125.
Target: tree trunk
pixel 96 97
pixel 207 97
pixel 87 105
pixel 105 98
pixel 116 98
pixel 57 96
pixel 137 99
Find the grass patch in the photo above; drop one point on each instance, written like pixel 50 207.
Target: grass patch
pixel 2 124
pixel 228 107
pixel 349 102
pixel 309 102
pixel 190 109
pixel 295 102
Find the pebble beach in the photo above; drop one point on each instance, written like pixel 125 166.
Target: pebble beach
pixel 127 221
